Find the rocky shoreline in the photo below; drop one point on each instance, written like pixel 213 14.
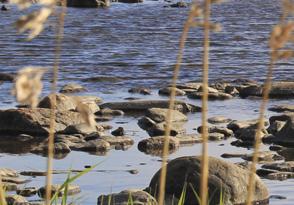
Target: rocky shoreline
pixel 25 130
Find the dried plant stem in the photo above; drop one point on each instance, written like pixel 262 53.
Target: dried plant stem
pixel 204 159
pixel 2 194
pixel 266 90
pixel 171 106
pixel 59 37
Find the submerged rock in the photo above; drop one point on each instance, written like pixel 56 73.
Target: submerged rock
pixel 225 179
pixel 140 90
pixel 143 105
pixel 138 197
pixel 88 3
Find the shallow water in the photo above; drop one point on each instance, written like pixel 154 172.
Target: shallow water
pixel 137 45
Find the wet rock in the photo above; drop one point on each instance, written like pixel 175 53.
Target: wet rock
pixel 188 139
pixel 72 88
pixel 179 4
pixel 167 91
pixel 210 90
pixel 27 191
pixel 160 114
pixel 280 176
pixel 4 8
pixel 145 123
pixel 87 99
pixel 218 119
pixel 159 129
pixel 232 90
pixel 275 126
pixel 16 200
pixel 35 121
pixel 264 172
pixel 282 108
pixel 287 153
pixel 214 129
pixel 278 197
pixel 232 155
pixel 143 105
pixel 191 86
pixel 103 78
pixel 224 178
pixel 263 156
pixel 119 141
pixel 98 145
pixel 251 90
pixel 285 135
pixel 58 148
pixel 5 172
pixel 235 125
pixel 88 3
pixel 276 148
pixel 134 171
pixel 71 190
pixel 81 128
pixel 140 90
pixel 249 133
pixel 6 76
pixel 215 136
pixel 211 96
pixel 107 111
pixel 138 197
pixel 241 143
pixel 156 143
pixel 63 102
pixel 103 118
pixel 14 180
pixel 118 132
pixel 283 166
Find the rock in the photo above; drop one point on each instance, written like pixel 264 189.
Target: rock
pixel 72 88
pixel 5 172
pixel 214 129
pixel 16 200
pixel 263 156
pixel 282 108
pixel 235 125
pixel 119 141
pixel 216 136
pixel 278 90
pixel 6 76
pixel 275 126
pixel 14 180
pixel 130 1
pixel 145 123
pixel 285 136
pixel 283 166
pixel 4 8
pixel 167 91
pixel 210 90
pixel 35 121
pixel 88 3
pixel 249 133
pixel 218 119
pixel 232 90
pixel 143 105
pixel 63 102
pixel 140 90
pixel 179 4
pixel 87 99
pixel 241 143
pixel 156 143
pixel 225 179
pixel 264 172
pixel 211 96
pixel 58 148
pixel 98 145
pixel 287 153
pixel 118 132
pixel 232 155
pixel 188 139
pixel 160 114
pixel 138 197
pixel 159 129
pixel 7 186
pixel 27 191
pixel 81 128
pixel 107 111
pixel 280 176
pixel 71 190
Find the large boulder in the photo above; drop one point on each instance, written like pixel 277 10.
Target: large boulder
pixel 143 105
pixel 225 179
pixel 35 121
pixel 63 102
pixel 88 3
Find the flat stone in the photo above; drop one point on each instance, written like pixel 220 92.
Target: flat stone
pixel 72 88
pixel 263 156
pixel 211 96
pixel 5 172
pixel 156 143
pixel 283 166
pixel 140 90
pixel 218 119
pixel 282 108
pixel 72 190
pixel 160 115
pixel 167 91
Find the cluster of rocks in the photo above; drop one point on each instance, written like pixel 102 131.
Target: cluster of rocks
pixel 12 182
pixel 183 174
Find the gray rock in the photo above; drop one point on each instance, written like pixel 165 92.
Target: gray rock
pixel 287 153
pixel 118 132
pixel 5 172
pixel 145 123
pixel 215 136
pixel 211 96
pixel 251 90
pixel 27 191
pixel 192 86
pixel 156 143
pixel 282 166
pixel 107 111
pixel 140 90
pixel 218 119
pixel 188 139
pixel 263 156
pixel 167 91
pixel 16 200
pixel 275 126
pixel 159 129
pixel 35 121
pixel 138 197
pixel 98 145
pixel 159 115
pixel 282 108
pixel 63 102
pixel 249 133
pixel 6 77
pixel 131 1
pixel 81 128
pixel 72 88
pixel 118 141
pixel 235 125
pixel 7 186
pixel 143 105
pixel 224 178
pixel 71 190
pixel 214 129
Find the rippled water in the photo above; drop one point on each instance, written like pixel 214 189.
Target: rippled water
pixel 137 45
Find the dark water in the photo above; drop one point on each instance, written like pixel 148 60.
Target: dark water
pixel 137 45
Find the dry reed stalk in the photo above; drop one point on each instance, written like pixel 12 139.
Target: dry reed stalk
pixel 2 194
pixel 204 159
pixel 195 11
pixel 59 37
pixel 280 36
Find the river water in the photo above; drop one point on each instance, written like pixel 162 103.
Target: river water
pixel 136 45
